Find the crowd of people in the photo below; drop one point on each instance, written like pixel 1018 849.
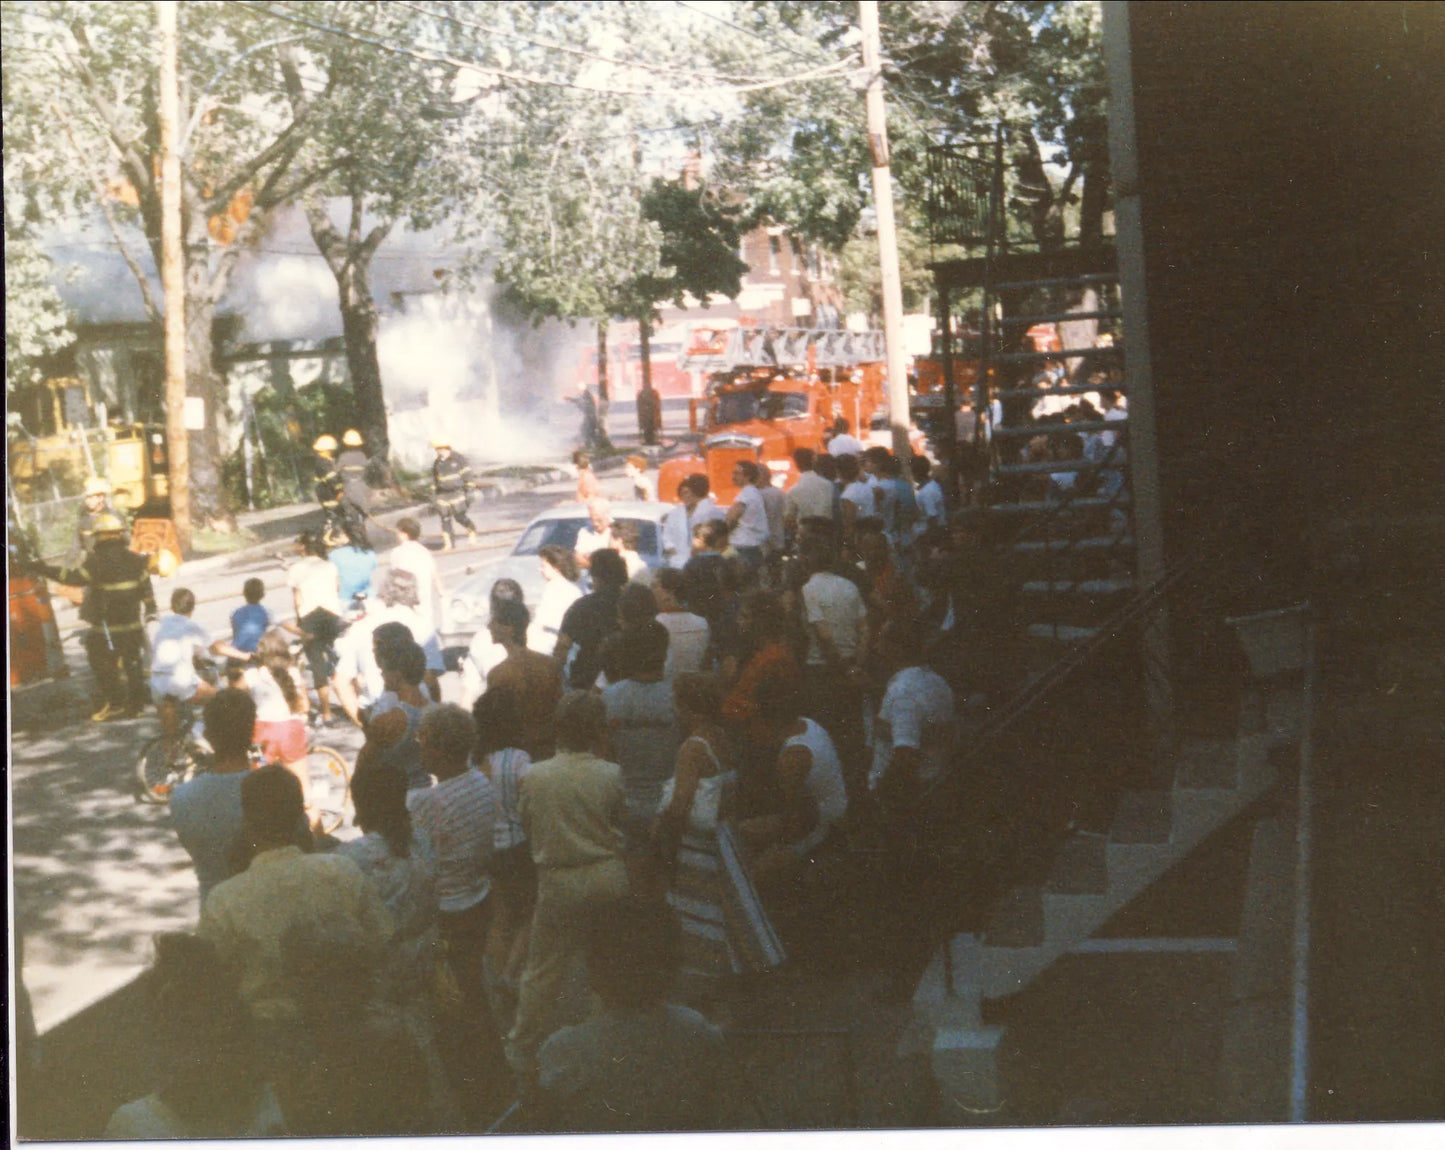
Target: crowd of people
pixel 656 767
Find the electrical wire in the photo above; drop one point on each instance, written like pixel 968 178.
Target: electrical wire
pixel 661 69
pixel 430 57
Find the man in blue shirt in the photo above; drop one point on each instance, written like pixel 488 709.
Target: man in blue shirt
pixel 355 565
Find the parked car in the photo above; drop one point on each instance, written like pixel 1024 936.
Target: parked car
pixel 470 603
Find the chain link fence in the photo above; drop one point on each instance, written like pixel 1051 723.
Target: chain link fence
pixel 50 525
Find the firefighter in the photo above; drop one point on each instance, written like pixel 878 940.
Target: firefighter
pixel 352 465
pixel 451 484
pixel 118 592
pixel 97 503
pixel 330 493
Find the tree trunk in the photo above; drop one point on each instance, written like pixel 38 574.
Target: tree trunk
pixel 1046 215
pixel 644 341
pixel 209 501
pixel 1094 198
pixel 603 395
pixel 349 258
pixel 359 327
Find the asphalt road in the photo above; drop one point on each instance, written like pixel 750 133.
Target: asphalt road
pixel 95 873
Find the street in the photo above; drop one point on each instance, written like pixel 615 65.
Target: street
pixel 97 874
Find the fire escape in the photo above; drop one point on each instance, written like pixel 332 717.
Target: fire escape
pixel 1135 797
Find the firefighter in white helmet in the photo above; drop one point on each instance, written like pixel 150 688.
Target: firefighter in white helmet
pixel 451 478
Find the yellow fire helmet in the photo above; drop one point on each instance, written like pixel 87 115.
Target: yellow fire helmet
pixel 95 485
pixel 352 438
pixel 441 442
pixel 325 443
pixel 166 564
pixel 107 524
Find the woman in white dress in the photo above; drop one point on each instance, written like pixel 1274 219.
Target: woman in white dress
pixel 560 571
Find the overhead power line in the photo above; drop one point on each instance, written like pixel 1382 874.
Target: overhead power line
pixel 432 57
pixel 553 46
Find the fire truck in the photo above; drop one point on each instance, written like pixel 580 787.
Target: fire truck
pixel 927 389
pixel 771 390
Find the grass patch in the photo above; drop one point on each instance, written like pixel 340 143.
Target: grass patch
pixel 205 541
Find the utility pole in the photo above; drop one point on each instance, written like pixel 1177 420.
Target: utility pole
pixel 887 232
pixel 173 279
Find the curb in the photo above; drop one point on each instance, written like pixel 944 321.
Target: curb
pixel 486 491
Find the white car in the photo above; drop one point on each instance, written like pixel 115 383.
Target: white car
pixel 469 606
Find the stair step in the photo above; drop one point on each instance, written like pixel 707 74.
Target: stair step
pixel 1069 918
pixel 1284 715
pixel 1080 867
pixel 1064 353
pixel 1133 866
pixel 956 1002
pixel 1091 543
pixel 1060 632
pixel 1142 817
pixel 1057 281
pixel 1007 970
pixel 1206 764
pixel 1037 506
pixel 1017 919
pixel 1058 389
pixel 1080 587
pixel 1059 317
pixel 1045 466
pixel 1198 813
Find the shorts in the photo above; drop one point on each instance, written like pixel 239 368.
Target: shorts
pixel 324 629
pixel 164 687
pixel 282 742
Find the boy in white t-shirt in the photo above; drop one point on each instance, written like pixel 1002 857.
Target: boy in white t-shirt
pixel 913 738
pixel 174 678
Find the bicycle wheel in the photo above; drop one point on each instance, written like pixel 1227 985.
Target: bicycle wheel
pixel 330 786
pixel 162 768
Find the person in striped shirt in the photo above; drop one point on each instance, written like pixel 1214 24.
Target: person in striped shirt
pixel 458 817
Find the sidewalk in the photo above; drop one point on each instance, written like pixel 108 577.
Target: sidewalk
pixel 278 526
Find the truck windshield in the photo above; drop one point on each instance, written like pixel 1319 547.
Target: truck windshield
pixel 741 406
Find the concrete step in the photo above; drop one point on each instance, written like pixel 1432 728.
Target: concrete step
pixel 1207 764
pixel 1142 817
pixel 948 996
pixel 1018 919
pixel 1071 918
pixel 1080 867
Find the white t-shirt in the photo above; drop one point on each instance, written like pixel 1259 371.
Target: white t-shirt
pixel 833 600
pixel 811 497
pixel 930 506
pixel 676 539
pixel 589 541
pixel 752 529
pixel 271 705
pixel 706 509
pixel 917 711
pixel 317 585
pixel 557 596
pixel 844 444
pixel 860 495
pixel 411 556
pixel 687 642
pixel 178 639
pixel 824 783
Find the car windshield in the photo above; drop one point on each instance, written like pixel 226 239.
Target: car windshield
pixel 563 533
pixel 741 406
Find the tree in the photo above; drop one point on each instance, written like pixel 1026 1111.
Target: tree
pixel 389 150
pixel 698 255
pixel 36 324
pixel 247 107
pixel 952 70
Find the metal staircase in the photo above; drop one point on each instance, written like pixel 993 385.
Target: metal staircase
pixel 1093 877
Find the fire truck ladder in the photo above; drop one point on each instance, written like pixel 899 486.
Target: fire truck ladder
pixel 784 347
